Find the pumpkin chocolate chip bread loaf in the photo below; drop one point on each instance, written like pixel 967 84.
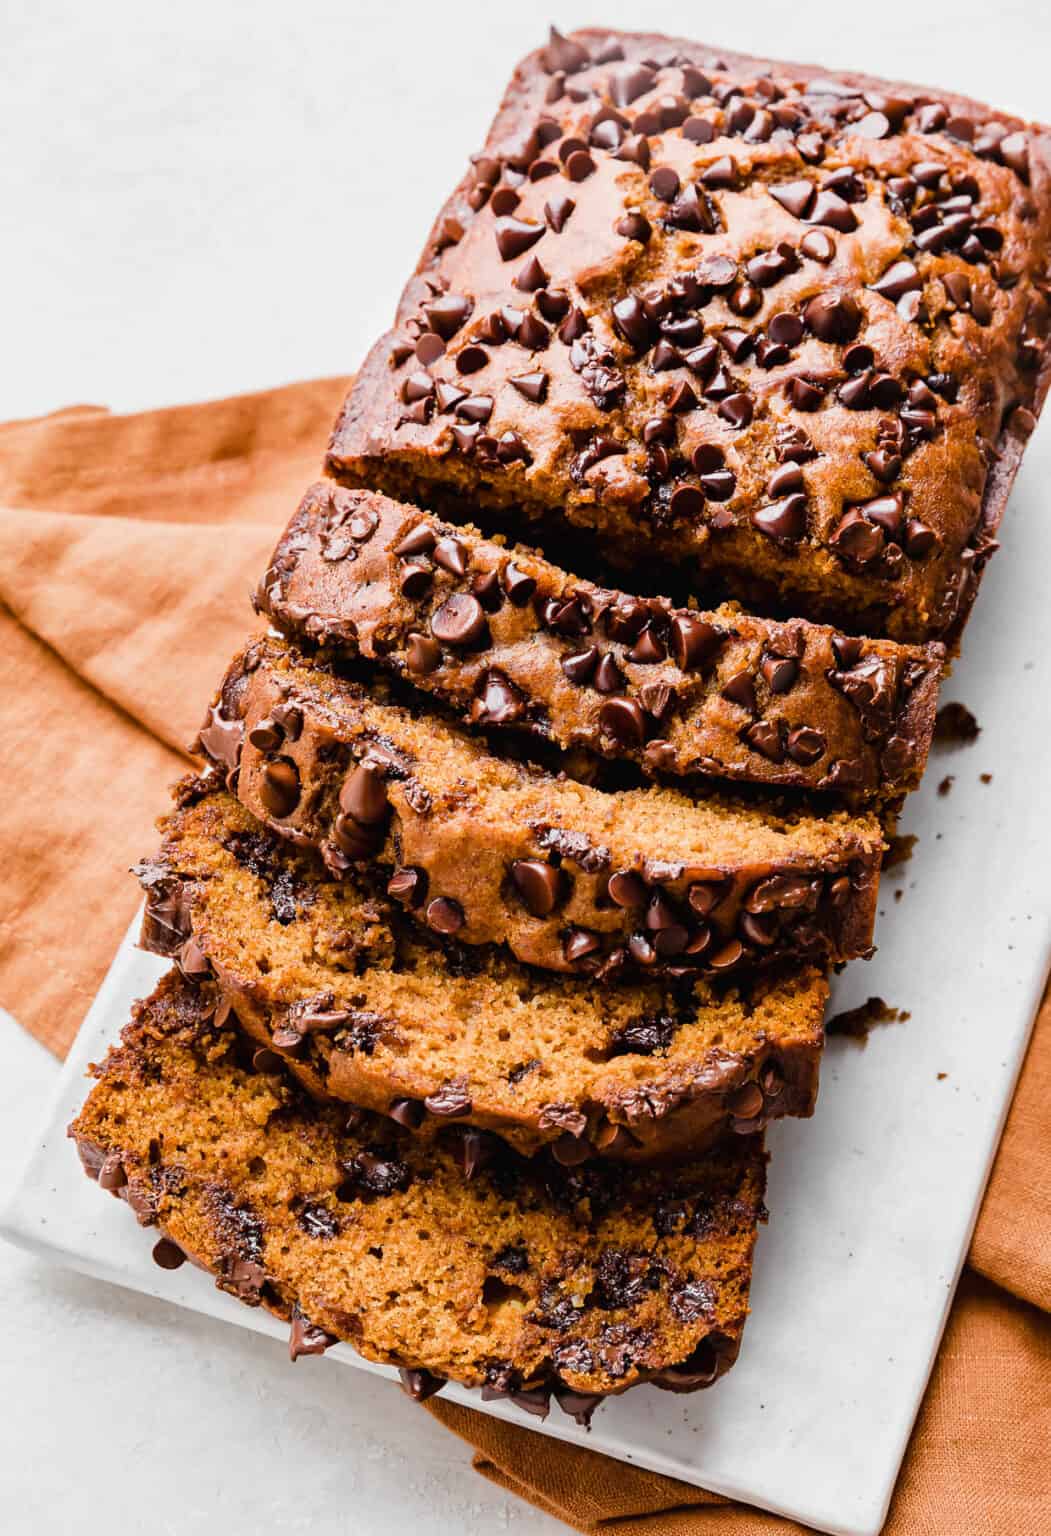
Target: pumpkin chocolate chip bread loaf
pixel 494 850
pixel 364 1006
pixel 527 1280
pixel 508 640
pixel 788 330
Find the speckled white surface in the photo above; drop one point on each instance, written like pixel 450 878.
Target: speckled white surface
pixel 204 198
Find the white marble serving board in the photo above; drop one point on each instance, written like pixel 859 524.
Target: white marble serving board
pixel 873 1201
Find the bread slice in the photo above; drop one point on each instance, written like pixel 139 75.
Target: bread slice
pixel 571 877
pixel 365 1007
pixel 721 694
pixel 525 1279
pixel 708 310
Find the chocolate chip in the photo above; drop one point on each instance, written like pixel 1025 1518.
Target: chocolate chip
pixel 829 208
pixel 514 236
pixel 780 672
pixel 682 399
pixel 785 480
pixel 497 701
pixel 518 585
pixel 414 578
pixel 422 655
pixel 856 540
pixel 504 200
pixel 784 521
pixel 721 172
pixel 648 648
pixel 580 666
pixel 418 541
pixel 741 690
pixel 471 359
pixel 624 720
pixel 818 246
pixel 725 958
pixel 266 735
pixel 633 323
pixel 451 555
pixel 530 276
pixel 448 395
pixel 786 329
pixel 805 745
pixel 579 165
pixel 407 885
pixel 406 1112
pixel 353 840
pixel 765 737
pixel 737 410
pixel 692 211
pixel 900 278
pixel 626 889
pixel 665 356
pixel 608 676
pixel 168 1255
pixel 532 385
pixel 804 394
pixel 562 55
pixel 553 304
pixel 664 183
pixel 445 916
pixel 886 511
pixel 627 84
pixel 447 314
pixel 460 621
pixel 719 486
pixel 832 317
pixel 698 130
pixel 364 795
pixel 608 132
pixel 579 944
pixel 886 466
pixel 634 226
pixel 795 196
pixel 686 502
pixel 635 149
pixel 540 886
pixel 919 538
pixel 693 641
pixel 279 787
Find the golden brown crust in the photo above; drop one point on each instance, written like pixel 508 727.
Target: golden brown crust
pixel 717 694
pixel 514 1277
pixel 903 393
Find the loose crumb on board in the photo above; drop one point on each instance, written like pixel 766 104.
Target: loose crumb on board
pixel 955 726
pixel 855 1023
pixel 946 784
pixel 986 778
pixel 899 850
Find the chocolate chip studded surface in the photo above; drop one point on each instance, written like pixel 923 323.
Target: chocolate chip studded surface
pixel 364 1006
pixel 531 1281
pixel 681 692
pixel 717 266
pixel 507 853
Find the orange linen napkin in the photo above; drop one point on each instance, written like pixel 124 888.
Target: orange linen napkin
pixel 128 549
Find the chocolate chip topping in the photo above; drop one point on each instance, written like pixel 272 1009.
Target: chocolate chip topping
pixel 279 787
pixel 460 621
pixel 539 885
